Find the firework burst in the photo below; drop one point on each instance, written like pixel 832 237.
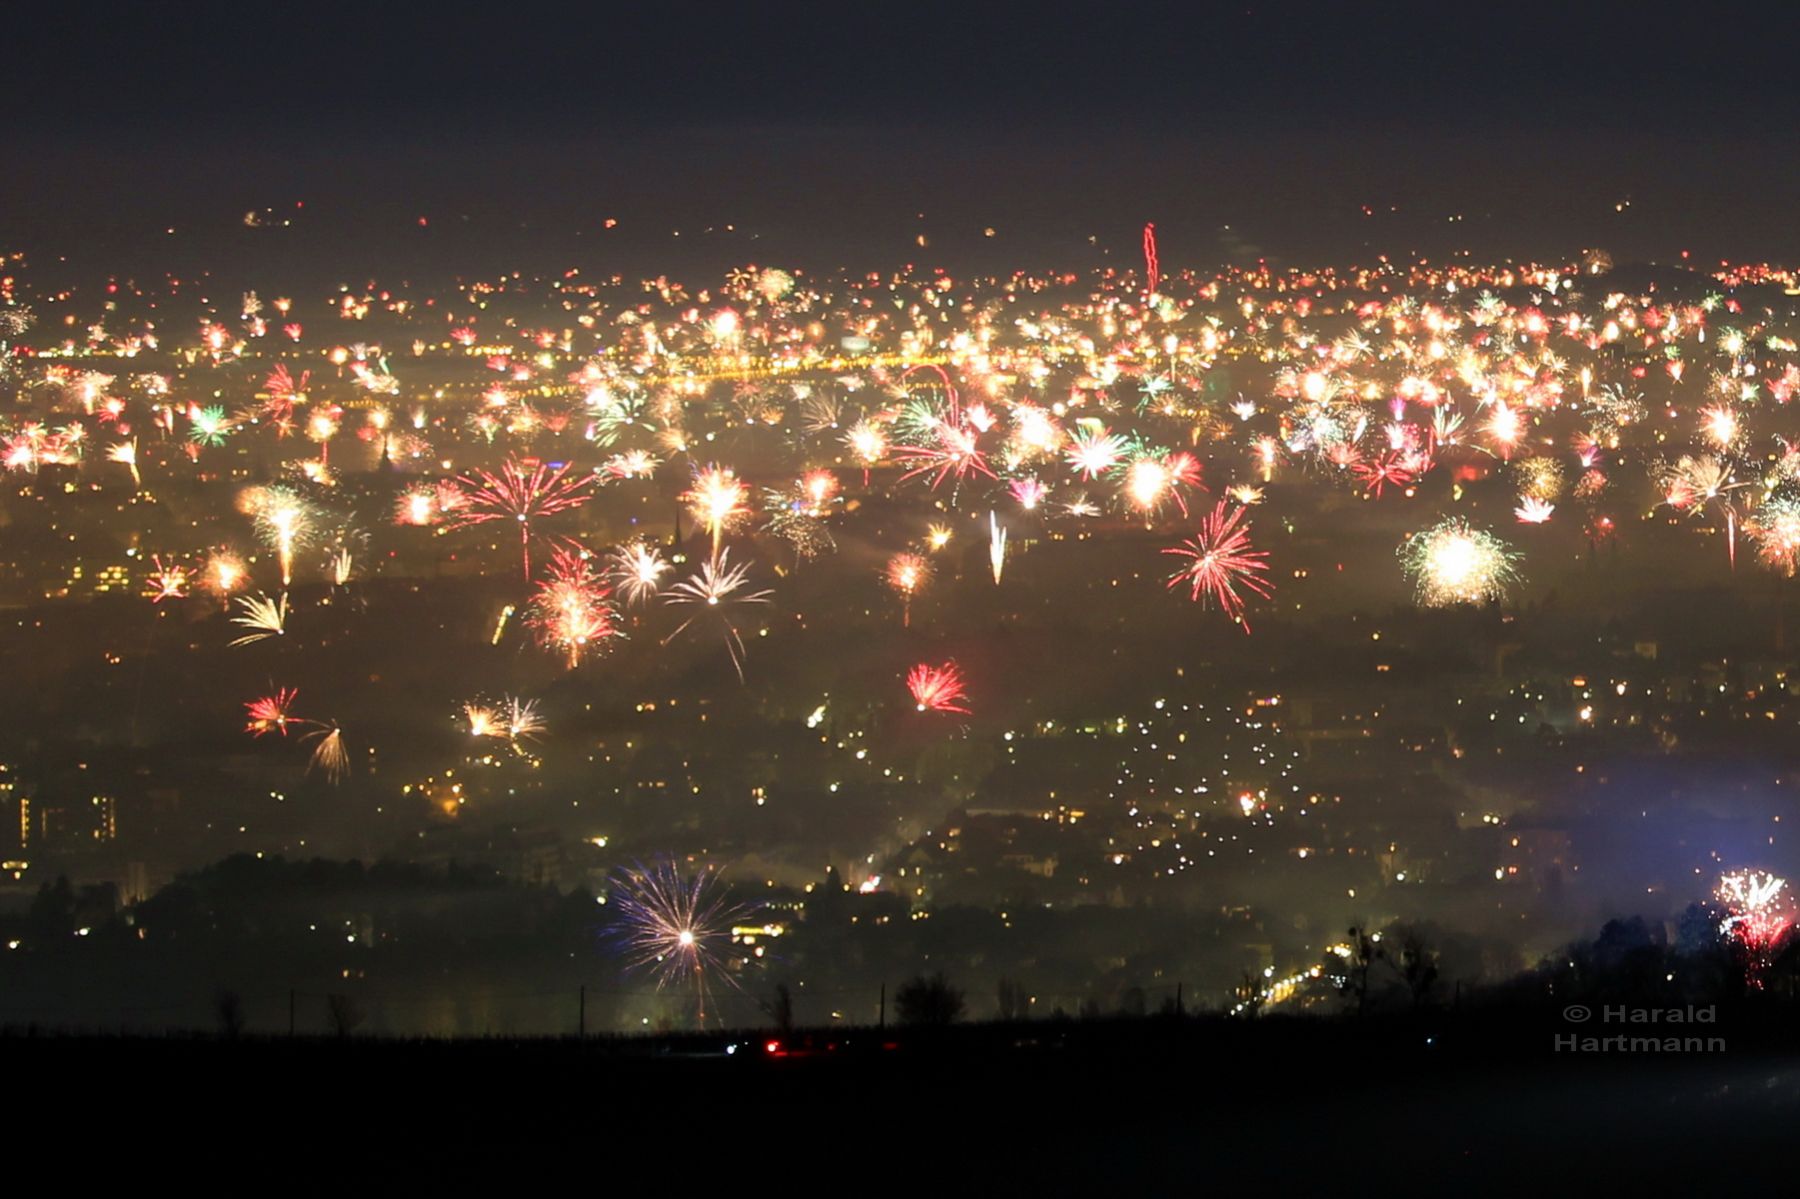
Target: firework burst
pixel 951 450
pixel 520 496
pixel 168 580
pixel 1221 560
pixel 718 499
pixel 1775 528
pixel 285 520
pixel 125 454
pixel 223 573
pixel 515 720
pixel 208 427
pixel 1455 563
pixel 937 688
pixel 264 617
pixel 271 713
pixel 675 927
pixel 906 574
pixel 572 610
pixel 637 569
pixel 717 588
pixel 1757 918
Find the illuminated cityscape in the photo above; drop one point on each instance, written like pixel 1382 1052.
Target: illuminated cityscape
pixel 690 611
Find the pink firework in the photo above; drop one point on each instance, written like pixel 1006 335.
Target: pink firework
pixel 520 496
pixel 937 688
pixel 272 713
pixel 1028 492
pixel 572 610
pixel 1378 473
pixel 955 452
pixel 284 391
pixel 1221 560
pixel 168 581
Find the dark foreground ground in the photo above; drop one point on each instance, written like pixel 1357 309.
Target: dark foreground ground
pixel 1149 1106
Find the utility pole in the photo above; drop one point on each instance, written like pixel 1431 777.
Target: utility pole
pixel 581 1018
pixel 882 1019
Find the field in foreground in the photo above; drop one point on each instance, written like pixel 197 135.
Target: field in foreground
pixel 1147 1106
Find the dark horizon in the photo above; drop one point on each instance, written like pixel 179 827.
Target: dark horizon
pixel 1319 135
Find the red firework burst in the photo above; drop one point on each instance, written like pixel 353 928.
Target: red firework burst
pixel 1396 469
pixel 572 610
pixel 1221 560
pixel 272 713
pixel 283 391
pixel 519 495
pixel 937 688
pixel 955 453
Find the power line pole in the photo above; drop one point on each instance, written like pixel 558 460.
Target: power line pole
pixel 882 1019
pixel 581 1019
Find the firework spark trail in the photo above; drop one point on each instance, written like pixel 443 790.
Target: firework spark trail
pixel 717 587
pixel 125 454
pixel 996 546
pixel 329 757
pixel 265 617
pixel 1221 559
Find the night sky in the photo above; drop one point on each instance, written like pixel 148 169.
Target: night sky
pixel 819 135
